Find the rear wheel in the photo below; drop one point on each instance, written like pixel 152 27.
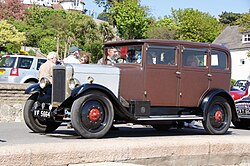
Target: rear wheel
pixel 92 115
pixel 218 116
pixel 242 124
pixel 34 123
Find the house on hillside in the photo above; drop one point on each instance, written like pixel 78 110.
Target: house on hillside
pixel 239 45
pixel 75 5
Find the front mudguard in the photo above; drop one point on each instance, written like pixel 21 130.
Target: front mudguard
pixel 34 88
pixel 44 95
pixel 120 110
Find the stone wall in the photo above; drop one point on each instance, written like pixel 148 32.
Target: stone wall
pixel 12 99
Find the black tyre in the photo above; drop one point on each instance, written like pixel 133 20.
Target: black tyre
pixel 218 116
pixel 34 123
pixel 242 124
pixel 92 115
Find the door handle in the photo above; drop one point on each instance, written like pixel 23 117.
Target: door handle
pixel 178 73
pixel 209 75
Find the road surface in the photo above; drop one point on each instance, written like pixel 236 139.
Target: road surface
pixel 131 143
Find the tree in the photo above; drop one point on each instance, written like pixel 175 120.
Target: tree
pixel 106 4
pixel 11 8
pixel 244 22
pixel 164 28
pixel 103 16
pixel 130 19
pixel 194 25
pixel 47 44
pixel 106 32
pixel 10 38
pixel 229 18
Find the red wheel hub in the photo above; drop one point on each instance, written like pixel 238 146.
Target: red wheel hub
pixel 218 115
pixel 94 114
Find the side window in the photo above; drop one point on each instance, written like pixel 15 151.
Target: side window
pixel 7 62
pixel 218 59
pixel 25 63
pixel 40 62
pixel 194 57
pixel 161 55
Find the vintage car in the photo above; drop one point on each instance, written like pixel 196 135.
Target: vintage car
pixel 239 90
pixel 150 82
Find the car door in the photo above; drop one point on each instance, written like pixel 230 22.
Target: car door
pixel 220 69
pixel 194 76
pixel 161 81
pixel 131 72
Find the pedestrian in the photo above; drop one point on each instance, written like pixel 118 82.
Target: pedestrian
pixel 85 58
pixel 74 55
pixel 109 58
pixel 46 68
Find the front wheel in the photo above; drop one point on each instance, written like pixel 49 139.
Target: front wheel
pixel 36 125
pixel 218 116
pixel 92 115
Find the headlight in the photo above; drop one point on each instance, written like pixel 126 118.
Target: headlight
pixel 44 82
pixel 73 83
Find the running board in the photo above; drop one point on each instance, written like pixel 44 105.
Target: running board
pixel 171 117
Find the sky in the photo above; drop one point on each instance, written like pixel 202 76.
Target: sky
pixel 161 8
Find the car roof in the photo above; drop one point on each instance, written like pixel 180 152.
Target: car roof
pixel 25 56
pixel 164 41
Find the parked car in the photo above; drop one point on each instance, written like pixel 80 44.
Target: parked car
pixel 157 82
pixel 243 111
pixel 240 89
pixel 20 68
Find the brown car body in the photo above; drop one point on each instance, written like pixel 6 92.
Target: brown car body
pixel 160 83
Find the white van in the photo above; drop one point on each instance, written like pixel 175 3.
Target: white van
pixel 20 68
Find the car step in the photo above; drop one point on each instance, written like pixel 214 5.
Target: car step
pixel 171 117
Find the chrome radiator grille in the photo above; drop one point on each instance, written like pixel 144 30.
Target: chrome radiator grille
pixel 58 85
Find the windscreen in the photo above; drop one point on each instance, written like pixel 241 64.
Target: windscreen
pixel 7 62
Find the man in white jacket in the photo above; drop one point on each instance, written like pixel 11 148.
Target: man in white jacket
pixel 74 56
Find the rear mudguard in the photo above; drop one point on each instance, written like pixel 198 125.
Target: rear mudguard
pixel 120 110
pixel 208 97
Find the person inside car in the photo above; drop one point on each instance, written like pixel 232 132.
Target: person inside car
pixel 110 58
pixel 192 61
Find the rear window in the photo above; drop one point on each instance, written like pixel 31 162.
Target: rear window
pixel 7 62
pixel 218 59
pixel 25 63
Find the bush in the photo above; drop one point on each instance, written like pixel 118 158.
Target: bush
pixel 233 82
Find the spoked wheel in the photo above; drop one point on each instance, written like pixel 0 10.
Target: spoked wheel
pixel 92 115
pixel 218 116
pixel 35 124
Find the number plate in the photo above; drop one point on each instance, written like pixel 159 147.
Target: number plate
pixel 1 72
pixel 42 113
pixel 243 108
pixel 243 111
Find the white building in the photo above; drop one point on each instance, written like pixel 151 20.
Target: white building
pixel 77 5
pixel 239 45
